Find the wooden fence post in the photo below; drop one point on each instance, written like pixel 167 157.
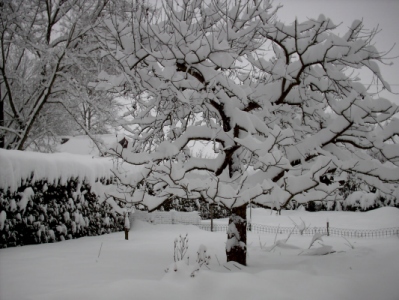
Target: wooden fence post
pixel 126 225
pixel 328 228
pixel 211 209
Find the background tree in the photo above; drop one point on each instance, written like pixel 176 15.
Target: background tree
pixel 279 102
pixel 47 52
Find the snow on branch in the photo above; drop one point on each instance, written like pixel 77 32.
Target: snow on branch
pixel 279 122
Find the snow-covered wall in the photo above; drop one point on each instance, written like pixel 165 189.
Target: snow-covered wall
pixel 52 197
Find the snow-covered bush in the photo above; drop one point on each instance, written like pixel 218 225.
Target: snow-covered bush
pixel 48 213
pixel 53 197
pixel 359 200
pixel 187 205
pixel 357 194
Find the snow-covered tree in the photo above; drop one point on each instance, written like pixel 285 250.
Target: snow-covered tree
pixel 45 47
pixel 279 103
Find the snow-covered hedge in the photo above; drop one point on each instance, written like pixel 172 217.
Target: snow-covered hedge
pixel 203 208
pixel 52 197
pixel 356 201
pixel 167 217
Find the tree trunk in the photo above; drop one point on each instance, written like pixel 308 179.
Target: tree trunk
pixel 2 138
pixel 236 246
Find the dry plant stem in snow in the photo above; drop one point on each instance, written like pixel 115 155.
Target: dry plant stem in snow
pixel 99 252
pixel 349 244
pixel 180 248
pixel 316 237
pixel 262 245
pixel 301 227
pixel 279 242
pixel 202 259
pixel 217 259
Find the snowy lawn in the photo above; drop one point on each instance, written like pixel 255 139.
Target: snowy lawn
pixel 135 269
pixel 385 217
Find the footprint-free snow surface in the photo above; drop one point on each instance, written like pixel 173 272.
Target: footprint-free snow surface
pixel 109 267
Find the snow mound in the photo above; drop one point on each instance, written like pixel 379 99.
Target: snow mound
pixel 323 250
pixel 179 271
pixel 384 212
pixel 18 166
pixel 83 144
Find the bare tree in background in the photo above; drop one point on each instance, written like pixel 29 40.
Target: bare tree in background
pixel 47 52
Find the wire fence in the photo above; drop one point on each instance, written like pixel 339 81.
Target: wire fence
pixel 216 227
pixel 192 218
pixel 332 231
pixel 167 217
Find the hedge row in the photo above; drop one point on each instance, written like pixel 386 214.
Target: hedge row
pixel 46 213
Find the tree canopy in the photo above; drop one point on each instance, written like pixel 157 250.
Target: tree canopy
pixel 280 103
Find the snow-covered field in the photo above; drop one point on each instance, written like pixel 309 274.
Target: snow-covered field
pixel 109 267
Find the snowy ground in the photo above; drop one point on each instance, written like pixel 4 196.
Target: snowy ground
pixel 385 217
pixel 134 269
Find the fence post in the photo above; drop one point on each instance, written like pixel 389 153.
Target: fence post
pixel 172 216
pixel 126 225
pixel 328 228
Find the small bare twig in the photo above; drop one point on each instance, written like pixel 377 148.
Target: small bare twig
pixel 316 237
pixel 180 248
pixel 217 259
pixel 99 252
pixel 281 242
pixel 289 235
pixel 349 244
pixel 226 267
pixel 301 227
pixel 260 243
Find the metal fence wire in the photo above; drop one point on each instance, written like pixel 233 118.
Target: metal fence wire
pixel 351 233
pixel 216 227
pixel 192 218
